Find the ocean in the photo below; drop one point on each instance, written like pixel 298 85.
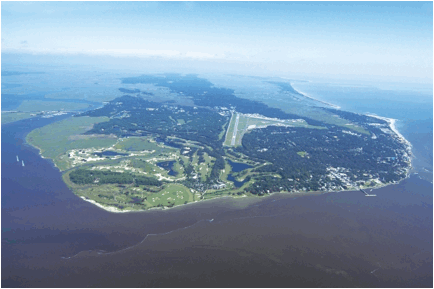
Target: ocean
pixel 52 238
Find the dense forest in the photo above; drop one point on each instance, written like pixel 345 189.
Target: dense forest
pixel 84 177
pixel 299 158
pixel 205 94
pixel 135 116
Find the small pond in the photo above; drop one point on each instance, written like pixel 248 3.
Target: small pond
pixel 168 165
pixel 236 183
pixel 136 200
pixel 237 167
pixel 110 153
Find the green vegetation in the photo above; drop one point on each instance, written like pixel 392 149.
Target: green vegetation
pixel 137 144
pixel 8 117
pixel 115 160
pixel 55 139
pixel 249 122
pixel 31 108
pixel 171 195
pixel 82 176
pixel 287 99
pixel 143 165
pixel 223 132
pixel 329 118
pixel 125 195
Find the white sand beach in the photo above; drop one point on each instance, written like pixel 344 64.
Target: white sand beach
pixel 107 208
pixel 314 99
pixel 392 122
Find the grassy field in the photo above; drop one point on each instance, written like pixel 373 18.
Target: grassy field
pixel 28 107
pixel 289 105
pixel 241 129
pixel 225 172
pixel 137 144
pixel 129 197
pixel 204 169
pixel 39 105
pixel 223 132
pixel 178 168
pixel 8 117
pixel 171 195
pixel 327 117
pixel 181 121
pixel 57 138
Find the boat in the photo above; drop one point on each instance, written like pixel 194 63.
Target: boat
pixel 18 159
pixel 22 162
pixel 366 194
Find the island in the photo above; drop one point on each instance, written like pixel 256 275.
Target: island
pixel 198 141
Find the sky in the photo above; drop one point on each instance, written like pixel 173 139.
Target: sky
pixel 357 39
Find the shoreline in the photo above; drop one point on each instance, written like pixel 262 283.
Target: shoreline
pixel 392 126
pixel 112 209
pixel 314 99
pixel 40 153
pixel 109 208
pixel 391 122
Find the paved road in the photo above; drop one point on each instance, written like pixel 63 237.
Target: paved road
pixel 234 136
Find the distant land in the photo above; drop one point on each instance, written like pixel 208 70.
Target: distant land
pixel 11 73
pixel 174 139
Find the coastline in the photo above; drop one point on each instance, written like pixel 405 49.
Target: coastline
pixel 26 138
pixel 392 126
pixel 314 99
pixel 109 208
pixel 391 122
pixel 112 209
pixel 409 146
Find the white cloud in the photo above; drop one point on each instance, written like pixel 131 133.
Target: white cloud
pixel 134 52
pixel 201 55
